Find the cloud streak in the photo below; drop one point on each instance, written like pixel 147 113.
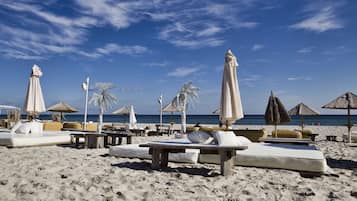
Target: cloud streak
pixel 320 18
pixel 183 72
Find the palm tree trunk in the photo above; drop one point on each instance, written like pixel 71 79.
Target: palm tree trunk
pixel 101 111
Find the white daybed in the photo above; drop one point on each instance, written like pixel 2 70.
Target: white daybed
pixel 283 156
pixel 26 140
pixel 265 155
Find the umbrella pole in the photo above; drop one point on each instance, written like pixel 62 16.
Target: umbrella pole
pixel 276 130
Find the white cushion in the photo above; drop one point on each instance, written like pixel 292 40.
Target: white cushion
pixel 243 141
pixel 226 138
pixel 200 137
pixel 24 128
pixel 36 127
pixel 16 126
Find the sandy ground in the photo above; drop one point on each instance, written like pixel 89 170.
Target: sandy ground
pixel 65 173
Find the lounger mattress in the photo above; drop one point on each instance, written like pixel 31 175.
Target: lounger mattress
pixel 282 156
pixel 134 151
pixel 46 138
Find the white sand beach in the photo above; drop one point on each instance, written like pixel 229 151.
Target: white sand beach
pixel 65 173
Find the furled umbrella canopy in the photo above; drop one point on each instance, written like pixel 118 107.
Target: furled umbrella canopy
pixel 62 107
pixel 231 108
pixel 34 103
pixel 275 112
pixel 347 101
pixel 132 118
pixel 301 110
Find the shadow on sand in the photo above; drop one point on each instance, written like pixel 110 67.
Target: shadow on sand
pixel 342 164
pixel 145 166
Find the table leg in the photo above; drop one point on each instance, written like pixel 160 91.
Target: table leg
pixel 105 141
pixel 128 140
pixel 227 161
pixel 86 141
pixel 120 140
pixel 113 140
pixel 77 141
pixel 155 159
pixel 164 158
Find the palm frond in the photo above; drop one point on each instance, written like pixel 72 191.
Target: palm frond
pixel 102 97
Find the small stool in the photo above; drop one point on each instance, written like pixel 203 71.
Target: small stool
pixel 331 138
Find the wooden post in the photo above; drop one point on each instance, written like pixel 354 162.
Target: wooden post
pixel 349 124
pixel 164 158
pixel 155 158
pixel 227 161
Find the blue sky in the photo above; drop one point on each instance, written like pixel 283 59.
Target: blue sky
pixel 303 50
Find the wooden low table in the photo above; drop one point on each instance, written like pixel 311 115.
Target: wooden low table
pixel 331 138
pixel 313 136
pixel 160 152
pixel 297 141
pixel 118 136
pixel 91 140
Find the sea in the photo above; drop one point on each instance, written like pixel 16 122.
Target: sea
pixel 332 120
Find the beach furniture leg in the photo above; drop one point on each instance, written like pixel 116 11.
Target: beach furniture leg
pixel 77 141
pixel 113 140
pixel 164 158
pixel 155 158
pixel 105 141
pixel 86 141
pixel 227 161
pixel 120 140
pixel 128 140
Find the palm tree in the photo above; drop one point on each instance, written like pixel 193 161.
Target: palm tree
pixel 187 94
pixel 103 99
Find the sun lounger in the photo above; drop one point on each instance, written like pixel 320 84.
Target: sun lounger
pixel 26 140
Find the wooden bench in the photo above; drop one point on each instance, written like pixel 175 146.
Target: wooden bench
pixel 298 141
pixel 160 152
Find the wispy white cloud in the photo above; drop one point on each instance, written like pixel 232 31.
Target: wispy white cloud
pixel 321 18
pixel 198 24
pixel 183 71
pixel 158 64
pixel 257 47
pixel 112 48
pixel 299 78
pixel 305 50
